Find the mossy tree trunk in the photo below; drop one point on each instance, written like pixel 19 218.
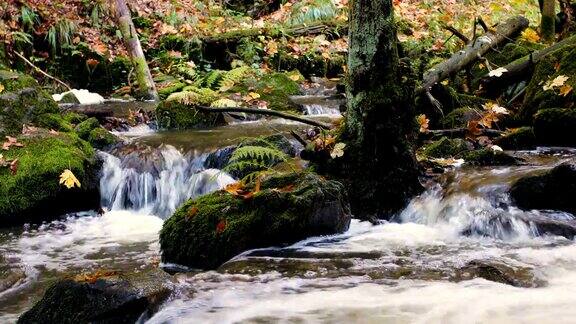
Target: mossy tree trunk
pixel 548 23
pixel 379 164
pixel 130 35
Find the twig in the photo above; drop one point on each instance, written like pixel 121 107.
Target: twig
pixel 266 112
pixel 457 33
pixel 460 132
pixel 42 72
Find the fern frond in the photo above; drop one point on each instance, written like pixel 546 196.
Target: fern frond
pixel 266 155
pixel 233 77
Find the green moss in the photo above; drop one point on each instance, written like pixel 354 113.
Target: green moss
pixel 562 62
pixel 170 88
pixel 22 102
pixel 519 139
pixel 460 118
pixel 171 114
pixel 101 138
pixel 84 128
pixel 311 64
pixel 488 157
pixel 206 232
pixel 34 191
pixel 446 147
pixel 555 127
pixel 55 122
pixel 275 89
pixel 74 118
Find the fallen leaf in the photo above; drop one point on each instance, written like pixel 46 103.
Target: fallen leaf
pixel 1 88
pixel 68 179
pixel 338 150
pixel 565 90
pixel 498 72
pixel 221 227
pixel 11 141
pixel 423 122
pixel 191 213
pixel 496 148
pixel 14 166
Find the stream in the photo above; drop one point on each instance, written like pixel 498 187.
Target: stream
pixel 405 271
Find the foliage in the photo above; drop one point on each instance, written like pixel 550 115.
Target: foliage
pixel 255 159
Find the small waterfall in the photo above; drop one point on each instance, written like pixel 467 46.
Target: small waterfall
pixel 156 181
pixel 317 109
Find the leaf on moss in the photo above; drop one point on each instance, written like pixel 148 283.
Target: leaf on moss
pixel 68 179
pixel 221 227
pixel 11 141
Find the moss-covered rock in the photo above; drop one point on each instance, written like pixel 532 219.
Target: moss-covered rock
pixel 554 189
pixel 171 114
pixel 446 147
pixel 91 131
pixel 522 138
pixel 556 127
pixel 113 298
pixel 275 89
pixel 489 157
pixel 33 193
pixel 562 62
pixel 22 102
pixel 169 88
pixel 206 232
pixel 54 121
pixel 460 117
pixel 311 64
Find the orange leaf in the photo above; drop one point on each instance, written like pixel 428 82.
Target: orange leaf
pixel 191 213
pixel 221 227
pixel 14 166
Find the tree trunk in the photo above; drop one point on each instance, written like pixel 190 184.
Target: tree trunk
pixel 548 24
pixel 379 165
pixel 124 20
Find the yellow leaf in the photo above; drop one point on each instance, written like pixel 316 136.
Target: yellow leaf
pixel 531 35
pixel 1 88
pixel 565 90
pixel 338 150
pixel 68 179
pixel 423 122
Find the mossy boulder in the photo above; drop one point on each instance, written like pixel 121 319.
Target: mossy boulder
pixel 562 62
pixel 33 193
pixel 489 157
pixel 112 298
pixel 556 127
pixel 522 138
pixel 172 114
pixel 22 102
pixel 208 231
pixel 275 89
pixel 167 88
pixel 446 147
pixel 555 189
pixel 460 117
pixel 91 131
pixel 53 121
pixel 310 64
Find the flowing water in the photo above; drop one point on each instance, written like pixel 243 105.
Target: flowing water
pixel 410 270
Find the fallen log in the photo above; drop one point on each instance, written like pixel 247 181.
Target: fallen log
pixel 97 111
pixel 520 69
pixel 473 51
pixel 266 112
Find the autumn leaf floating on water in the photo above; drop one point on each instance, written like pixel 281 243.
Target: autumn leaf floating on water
pixel 68 179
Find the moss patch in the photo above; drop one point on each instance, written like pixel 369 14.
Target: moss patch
pixel 34 192
pixel 488 157
pixel 556 127
pixel 519 139
pixel 446 147
pixel 208 231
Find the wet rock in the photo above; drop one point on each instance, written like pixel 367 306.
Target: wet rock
pixel 555 127
pixel 555 189
pixel 91 131
pixel 33 192
pixel 519 139
pixel 115 298
pixel 545 225
pixel 206 232
pixel 498 272
pixel 446 147
pixel 173 114
pixel 460 117
pixel 489 157
pixel 9 276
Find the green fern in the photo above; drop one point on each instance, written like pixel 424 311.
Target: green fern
pixel 29 18
pixel 212 79
pixel 253 161
pixel 232 77
pixel 311 11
